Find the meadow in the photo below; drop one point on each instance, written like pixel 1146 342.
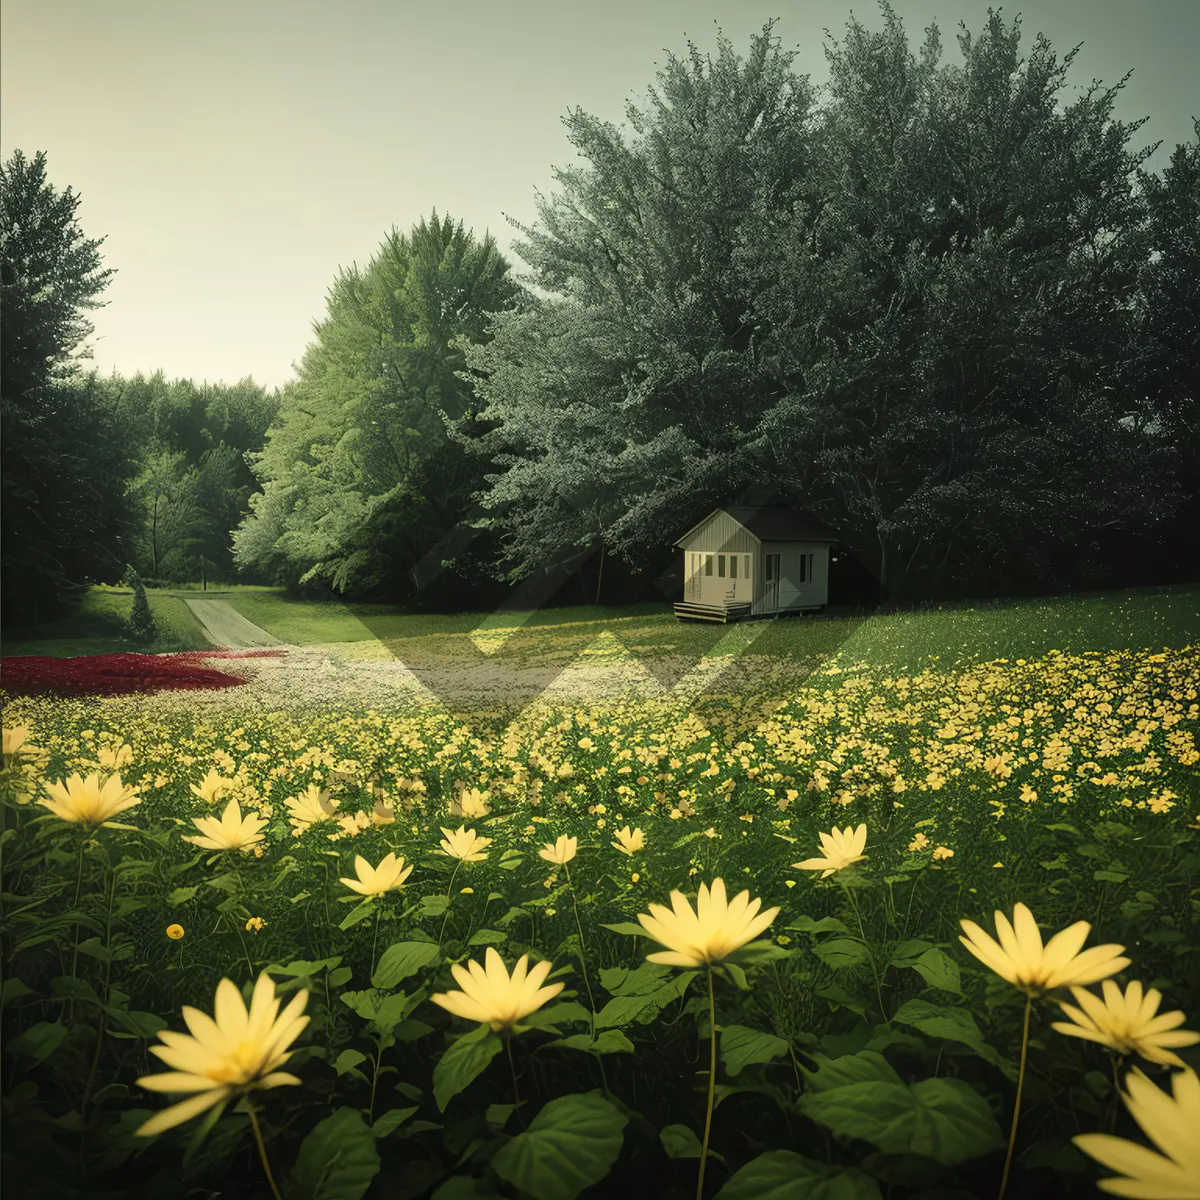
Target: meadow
pixel 833 1037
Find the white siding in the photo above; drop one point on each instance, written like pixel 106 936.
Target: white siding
pixel 813 592
pixel 720 536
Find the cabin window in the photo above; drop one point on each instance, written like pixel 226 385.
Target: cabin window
pixel 733 566
pixel 803 568
pixel 721 566
pixel 708 564
pixel 767 567
pixel 746 566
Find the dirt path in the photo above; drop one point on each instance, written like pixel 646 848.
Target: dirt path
pixel 227 629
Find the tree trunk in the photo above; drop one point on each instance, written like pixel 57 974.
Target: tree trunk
pixel 600 575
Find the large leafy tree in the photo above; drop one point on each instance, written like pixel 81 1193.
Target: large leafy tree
pixel 360 472
pixel 958 320
pixel 64 466
pixel 913 311
pixel 628 395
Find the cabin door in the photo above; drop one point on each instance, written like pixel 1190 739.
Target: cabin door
pixel 692 590
pixel 770 582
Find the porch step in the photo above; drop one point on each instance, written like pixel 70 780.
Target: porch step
pixel 723 613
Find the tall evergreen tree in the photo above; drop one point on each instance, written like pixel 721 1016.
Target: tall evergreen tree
pixel 63 467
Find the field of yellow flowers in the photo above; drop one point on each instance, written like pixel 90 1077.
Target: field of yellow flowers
pixel 925 935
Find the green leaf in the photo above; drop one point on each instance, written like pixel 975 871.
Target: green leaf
pixel 942 1119
pixel 906 953
pixel 497 1116
pixel 569 1146
pixel 864 1067
pixel 641 981
pixel 741 1046
pixel 466 1058
pixel 392 1120
pixel 361 913
pixel 824 925
pixel 301 968
pixel 95 948
pixel 953 1024
pixel 434 905
pixel 14 989
pixel 784 1175
pixel 680 1141
pixel 337 1160
pixel 622 1009
pixel 842 952
pixel 181 895
pixel 402 960
pixel 39 1041
pixel 608 1041
pixel 340 976
pixel 939 970
pixel 347 1061
pixel 626 927
pixel 488 937
pixel 555 1014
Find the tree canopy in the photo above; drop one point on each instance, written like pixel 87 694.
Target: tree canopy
pixel 360 474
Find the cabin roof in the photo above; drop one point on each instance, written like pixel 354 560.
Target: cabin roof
pixel 771 524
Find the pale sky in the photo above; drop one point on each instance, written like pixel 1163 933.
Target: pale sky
pixel 237 152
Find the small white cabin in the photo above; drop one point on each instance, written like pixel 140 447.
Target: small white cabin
pixel 744 561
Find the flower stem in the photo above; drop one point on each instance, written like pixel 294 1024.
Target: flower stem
pixel 1116 1104
pixel 375 939
pixel 75 939
pixel 241 939
pixel 712 1083
pixel 449 889
pixel 1012 1136
pixel 587 983
pixel 262 1150
pixel 512 1070
pixel 870 955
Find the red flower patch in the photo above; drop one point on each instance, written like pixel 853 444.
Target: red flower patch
pixel 119 674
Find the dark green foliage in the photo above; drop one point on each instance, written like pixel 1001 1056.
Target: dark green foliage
pixel 360 474
pixel 64 466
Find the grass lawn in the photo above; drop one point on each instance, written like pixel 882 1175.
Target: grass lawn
pixel 98 623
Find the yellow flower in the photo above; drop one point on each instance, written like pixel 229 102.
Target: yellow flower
pixel 231 832
pixel 11 740
pixel 467 891
pixel 174 932
pixel 1171 1124
pixel 842 847
pixel 308 808
pixel 465 844
pixel 255 925
pixel 1021 958
pixel 560 852
pixel 374 881
pixel 212 787
pixel 634 877
pixel 1127 1022
pixel 88 801
pixel 492 996
pixel 709 934
pixel 629 842
pixel 234 1053
pixel 942 852
pixel 472 803
pixel 918 843
pixel 114 760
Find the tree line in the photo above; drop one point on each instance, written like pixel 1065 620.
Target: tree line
pixel 949 316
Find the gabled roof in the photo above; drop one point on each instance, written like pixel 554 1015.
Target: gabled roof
pixel 771 524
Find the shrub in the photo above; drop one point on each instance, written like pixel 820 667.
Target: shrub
pixel 141 622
